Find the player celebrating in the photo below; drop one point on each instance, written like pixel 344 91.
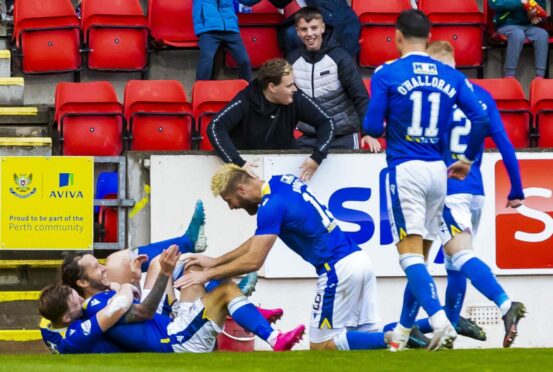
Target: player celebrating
pixel 415 96
pixel 200 315
pixel 344 311
pixel 463 207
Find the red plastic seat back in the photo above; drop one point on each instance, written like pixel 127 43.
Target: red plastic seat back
pixel 462 24
pixel 97 96
pixel 513 107
pixel 377 40
pixel 170 22
pixel 541 101
pixel 121 47
pixel 210 97
pixel 108 219
pixel 30 14
pixel 149 104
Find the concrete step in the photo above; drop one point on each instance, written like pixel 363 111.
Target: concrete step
pixel 5 63
pixel 25 146
pixel 17 315
pixel 11 91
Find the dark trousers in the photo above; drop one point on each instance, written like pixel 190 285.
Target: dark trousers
pixel 209 44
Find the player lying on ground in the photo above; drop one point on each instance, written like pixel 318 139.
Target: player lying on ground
pixel 199 319
pixel 344 310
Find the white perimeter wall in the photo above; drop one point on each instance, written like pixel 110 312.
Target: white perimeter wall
pixel 177 181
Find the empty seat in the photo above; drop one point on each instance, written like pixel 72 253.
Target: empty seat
pixel 158 115
pixel 115 35
pixel 107 188
pixel 541 101
pixel 462 24
pixel 259 33
pixel 513 107
pixel 47 35
pixel 208 98
pixel 378 19
pixel 89 119
pixel 170 23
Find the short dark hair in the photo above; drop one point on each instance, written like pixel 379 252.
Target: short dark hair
pixel 308 13
pixel 272 71
pixel 72 271
pixel 53 302
pixel 413 23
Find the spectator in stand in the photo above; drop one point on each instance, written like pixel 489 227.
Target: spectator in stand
pixel 337 14
pixel 263 116
pixel 519 20
pixel 326 72
pixel 216 24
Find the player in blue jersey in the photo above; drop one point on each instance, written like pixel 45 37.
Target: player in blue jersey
pixel 64 332
pixel 415 96
pixel 200 316
pixel 344 310
pixel 463 207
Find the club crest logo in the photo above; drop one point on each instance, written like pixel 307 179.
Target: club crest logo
pixel 23 184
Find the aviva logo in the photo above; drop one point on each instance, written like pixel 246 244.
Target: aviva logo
pixel 66 179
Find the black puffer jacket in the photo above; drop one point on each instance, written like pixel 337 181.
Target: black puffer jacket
pixel 251 122
pixel 330 76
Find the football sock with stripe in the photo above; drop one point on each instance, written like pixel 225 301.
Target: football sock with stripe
pixel 481 277
pixel 420 282
pixel 247 316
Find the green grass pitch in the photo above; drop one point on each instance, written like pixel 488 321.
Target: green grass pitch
pixel 381 360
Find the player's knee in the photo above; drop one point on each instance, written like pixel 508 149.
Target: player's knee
pixel 193 268
pixel 324 345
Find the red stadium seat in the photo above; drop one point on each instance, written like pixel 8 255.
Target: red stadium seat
pixel 46 33
pixel 89 119
pixel 259 33
pixel 462 24
pixel 108 221
pixel 208 98
pixel 158 115
pixel 541 102
pixel 115 35
pixel 382 140
pixel 171 24
pixel 378 19
pixel 513 107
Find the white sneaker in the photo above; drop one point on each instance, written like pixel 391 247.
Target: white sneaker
pixel 397 339
pixel 443 338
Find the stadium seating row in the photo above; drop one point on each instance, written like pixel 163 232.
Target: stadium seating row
pixel 114 34
pixel 156 115
pixel 529 123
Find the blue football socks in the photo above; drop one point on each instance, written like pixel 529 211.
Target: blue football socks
pixel 247 316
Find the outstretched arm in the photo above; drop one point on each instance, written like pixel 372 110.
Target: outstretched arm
pixel 147 309
pixel 251 260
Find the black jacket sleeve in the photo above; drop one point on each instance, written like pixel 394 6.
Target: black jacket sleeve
pixel 353 84
pixel 311 113
pixel 218 131
pixel 280 3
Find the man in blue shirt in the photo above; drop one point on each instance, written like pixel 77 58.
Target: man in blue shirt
pixel 63 329
pixel 463 208
pixel 415 95
pixel 344 310
pixel 200 316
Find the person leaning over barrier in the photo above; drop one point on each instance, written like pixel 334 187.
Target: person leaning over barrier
pixel 263 116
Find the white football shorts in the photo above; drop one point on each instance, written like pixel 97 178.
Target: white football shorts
pixel 345 298
pixel 415 192
pixel 462 212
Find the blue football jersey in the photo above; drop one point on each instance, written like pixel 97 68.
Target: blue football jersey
pixel 290 210
pixel 415 95
pixel 147 336
pixel 82 336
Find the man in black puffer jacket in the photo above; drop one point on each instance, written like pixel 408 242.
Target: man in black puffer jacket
pixel 263 116
pixel 325 71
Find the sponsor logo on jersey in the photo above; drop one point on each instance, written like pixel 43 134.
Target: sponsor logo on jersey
pixel 86 327
pixel 425 68
pixel 524 236
pixel 94 302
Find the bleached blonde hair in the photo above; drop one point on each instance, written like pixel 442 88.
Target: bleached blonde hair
pixel 227 178
pixel 441 50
